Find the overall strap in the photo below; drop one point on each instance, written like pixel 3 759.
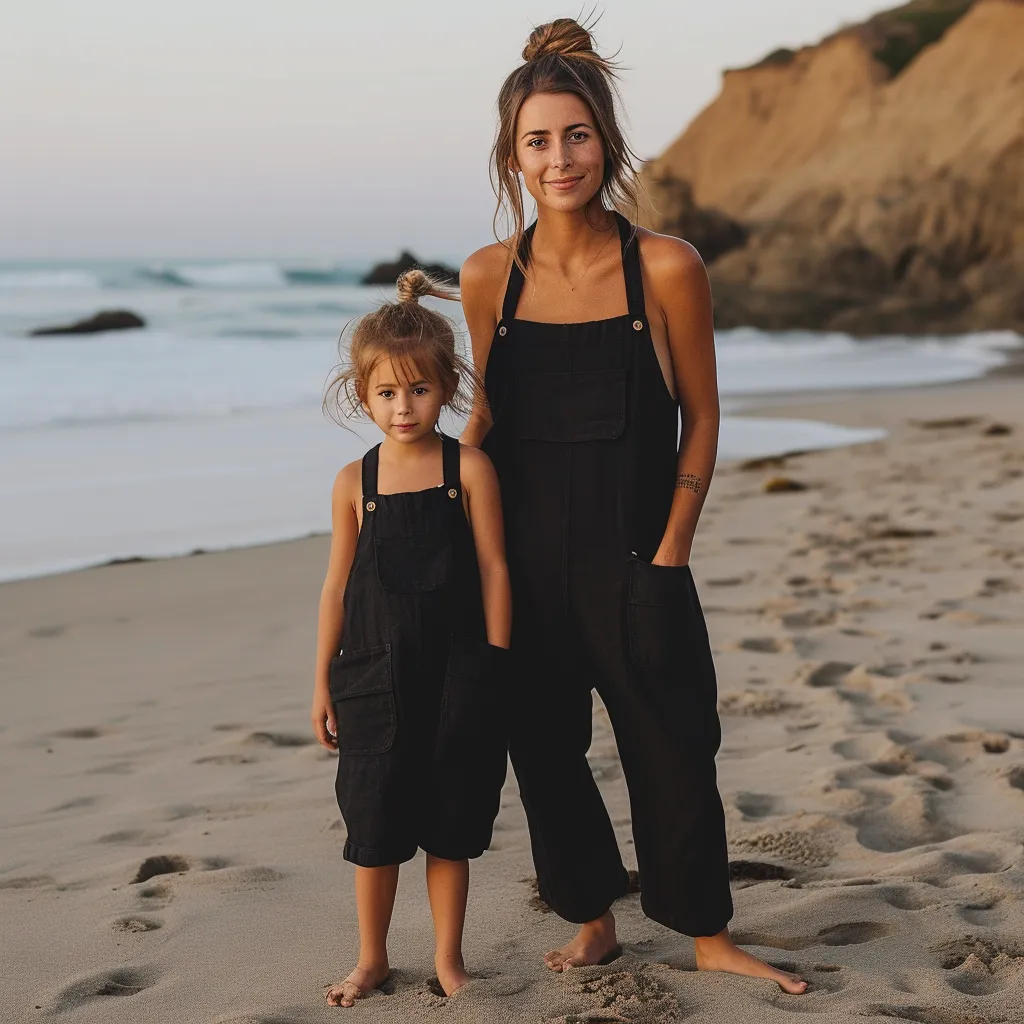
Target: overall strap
pixel 451 452
pixel 514 288
pixel 370 462
pixel 631 272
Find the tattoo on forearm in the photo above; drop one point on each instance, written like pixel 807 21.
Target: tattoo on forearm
pixel 689 481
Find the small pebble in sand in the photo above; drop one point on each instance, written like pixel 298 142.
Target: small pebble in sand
pixel 995 742
pixel 997 430
pixel 783 485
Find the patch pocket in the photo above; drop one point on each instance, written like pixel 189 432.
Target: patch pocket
pixel 472 712
pixel 586 405
pixel 661 610
pixel 363 700
pixel 413 565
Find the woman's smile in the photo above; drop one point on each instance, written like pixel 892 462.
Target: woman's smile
pixel 564 184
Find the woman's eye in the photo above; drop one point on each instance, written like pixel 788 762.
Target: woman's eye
pixel 535 143
pixel 579 136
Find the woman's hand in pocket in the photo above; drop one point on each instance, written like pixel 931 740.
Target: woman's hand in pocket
pixel 671 556
pixel 324 726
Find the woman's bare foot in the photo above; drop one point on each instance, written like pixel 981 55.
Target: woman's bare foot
pixel 594 943
pixel 358 985
pixel 451 972
pixel 720 953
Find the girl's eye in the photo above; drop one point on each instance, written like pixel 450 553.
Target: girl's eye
pixel 385 394
pixel 419 391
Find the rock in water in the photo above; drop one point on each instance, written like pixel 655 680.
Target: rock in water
pixel 105 320
pixel 388 273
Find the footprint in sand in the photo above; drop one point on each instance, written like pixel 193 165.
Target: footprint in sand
pixel 161 864
pixel 926 1014
pixel 225 759
pixel 754 805
pixel 137 925
pixel 851 933
pixel 117 982
pixel 28 882
pixel 278 739
pixel 82 732
pixel 757 871
pixel 764 644
pixel 827 673
pixel 46 632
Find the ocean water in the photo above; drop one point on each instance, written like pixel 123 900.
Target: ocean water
pixel 204 429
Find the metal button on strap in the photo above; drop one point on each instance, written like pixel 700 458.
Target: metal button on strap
pixel 502 330
pixel 370 506
pixel 638 325
pixel 452 493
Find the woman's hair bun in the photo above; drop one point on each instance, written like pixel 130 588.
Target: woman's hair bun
pixel 563 37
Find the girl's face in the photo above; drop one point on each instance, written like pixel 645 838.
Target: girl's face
pixel 559 151
pixel 405 407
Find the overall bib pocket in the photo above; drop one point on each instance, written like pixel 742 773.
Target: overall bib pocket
pixel 661 616
pixel 584 405
pixel 472 710
pixel 413 565
pixel 364 701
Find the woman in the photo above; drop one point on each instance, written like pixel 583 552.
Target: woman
pixel 592 336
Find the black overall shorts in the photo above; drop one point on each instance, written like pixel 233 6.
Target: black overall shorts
pixel 417 691
pixel 585 442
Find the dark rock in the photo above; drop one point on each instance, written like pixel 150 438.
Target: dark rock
pixel 388 273
pixel 709 231
pixel 105 320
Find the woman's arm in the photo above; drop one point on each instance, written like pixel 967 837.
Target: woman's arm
pixel 683 293
pixel 344 534
pixel 485 520
pixel 481 284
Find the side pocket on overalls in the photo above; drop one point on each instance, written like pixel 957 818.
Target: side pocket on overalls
pixel 364 700
pixel 660 615
pixel 669 650
pixel 473 709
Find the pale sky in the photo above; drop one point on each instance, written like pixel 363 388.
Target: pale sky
pixel 328 129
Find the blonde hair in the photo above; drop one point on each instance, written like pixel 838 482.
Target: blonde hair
pixel 417 340
pixel 560 57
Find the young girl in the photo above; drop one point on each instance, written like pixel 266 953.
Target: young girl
pixel 417 600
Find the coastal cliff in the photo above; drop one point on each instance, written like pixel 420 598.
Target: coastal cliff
pixel 871 183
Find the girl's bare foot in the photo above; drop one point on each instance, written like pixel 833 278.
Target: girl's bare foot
pixel 720 953
pixel 358 985
pixel 594 943
pixel 451 972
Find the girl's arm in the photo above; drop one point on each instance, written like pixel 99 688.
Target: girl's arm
pixel 481 284
pixel 344 534
pixel 681 289
pixel 484 497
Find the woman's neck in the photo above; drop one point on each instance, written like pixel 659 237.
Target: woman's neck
pixel 565 234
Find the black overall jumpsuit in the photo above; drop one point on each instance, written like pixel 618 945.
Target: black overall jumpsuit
pixel 417 691
pixel 585 442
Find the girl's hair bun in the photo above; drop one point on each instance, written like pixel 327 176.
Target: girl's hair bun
pixel 414 284
pixel 563 37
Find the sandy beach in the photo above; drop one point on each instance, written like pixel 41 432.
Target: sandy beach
pixel 172 847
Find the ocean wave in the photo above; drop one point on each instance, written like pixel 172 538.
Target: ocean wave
pixel 242 275
pixel 41 280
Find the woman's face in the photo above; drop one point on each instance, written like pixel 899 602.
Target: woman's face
pixel 559 151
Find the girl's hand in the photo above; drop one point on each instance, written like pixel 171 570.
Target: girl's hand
pixel 324 726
